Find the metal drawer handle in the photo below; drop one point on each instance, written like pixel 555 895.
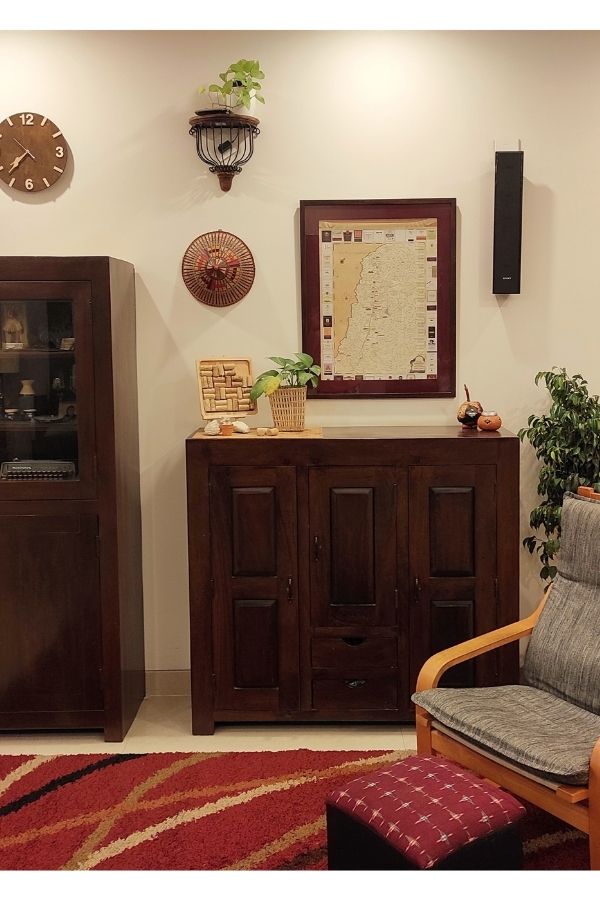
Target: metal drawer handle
pixel 360 682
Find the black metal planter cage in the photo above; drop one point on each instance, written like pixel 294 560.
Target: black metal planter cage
pixel 224 141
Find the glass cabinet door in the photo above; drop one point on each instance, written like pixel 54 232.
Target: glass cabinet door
pixel 46 390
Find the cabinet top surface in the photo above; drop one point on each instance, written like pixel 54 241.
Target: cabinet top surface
pixel 379 432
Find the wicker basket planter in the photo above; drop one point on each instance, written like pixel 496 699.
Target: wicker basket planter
pixel 287 407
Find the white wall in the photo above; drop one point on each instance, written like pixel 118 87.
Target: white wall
pixel 348 115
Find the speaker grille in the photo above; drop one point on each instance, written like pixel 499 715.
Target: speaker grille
pixel 508 215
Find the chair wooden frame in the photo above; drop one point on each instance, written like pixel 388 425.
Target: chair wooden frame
pixel 578 805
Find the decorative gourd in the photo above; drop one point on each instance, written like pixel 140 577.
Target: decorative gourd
pixel 489 421
pixel 469 412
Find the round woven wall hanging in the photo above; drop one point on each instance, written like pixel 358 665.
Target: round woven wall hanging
pixel 218 268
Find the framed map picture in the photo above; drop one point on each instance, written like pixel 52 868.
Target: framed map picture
pixel 379 296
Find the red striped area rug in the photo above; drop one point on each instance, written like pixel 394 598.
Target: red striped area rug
pixel 190 811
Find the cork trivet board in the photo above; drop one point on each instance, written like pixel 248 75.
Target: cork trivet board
pixel 294 435
pixel 224 387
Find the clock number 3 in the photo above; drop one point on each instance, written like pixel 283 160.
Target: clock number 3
pixel 26 118
pixel 60 151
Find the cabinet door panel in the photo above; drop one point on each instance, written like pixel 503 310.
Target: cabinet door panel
pixel 49 614
pixel 452 531
pixel 255 655
pixel 452 622
pixel 452 538
pixel 255 624
pixel 254 531
pixel 353 533
pixel 352 546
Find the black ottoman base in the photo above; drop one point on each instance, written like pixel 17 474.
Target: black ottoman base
pixel 352 846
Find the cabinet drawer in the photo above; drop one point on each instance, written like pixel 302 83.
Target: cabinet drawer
pixel 369 692
pixel 334 652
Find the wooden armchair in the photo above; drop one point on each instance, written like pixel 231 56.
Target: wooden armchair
pixel 539 740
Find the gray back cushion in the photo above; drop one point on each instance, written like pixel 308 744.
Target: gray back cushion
pixel 563 656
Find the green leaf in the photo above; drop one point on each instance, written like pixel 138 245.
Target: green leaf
pixel 305 359
pixel 281 360
pixel 304 378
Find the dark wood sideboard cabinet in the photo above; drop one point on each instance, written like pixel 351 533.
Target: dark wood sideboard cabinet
pixel 71 617
pixel 325 570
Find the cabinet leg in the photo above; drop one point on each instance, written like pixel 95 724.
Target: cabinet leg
pixel 202 723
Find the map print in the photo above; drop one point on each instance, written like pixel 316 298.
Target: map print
pixel 378 299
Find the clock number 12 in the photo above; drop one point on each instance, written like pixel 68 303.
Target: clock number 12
pixel 26 118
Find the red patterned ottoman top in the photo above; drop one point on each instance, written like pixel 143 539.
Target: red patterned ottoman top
pixel 427 807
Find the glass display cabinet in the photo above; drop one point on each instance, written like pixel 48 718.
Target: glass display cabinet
pixel 71 622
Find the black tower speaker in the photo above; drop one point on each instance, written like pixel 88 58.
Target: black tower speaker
pixel 508 215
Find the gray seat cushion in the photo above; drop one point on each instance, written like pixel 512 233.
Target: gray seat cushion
pixel 563 654
pixel 532 728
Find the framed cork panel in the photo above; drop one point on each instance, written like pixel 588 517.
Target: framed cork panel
pixel 224 387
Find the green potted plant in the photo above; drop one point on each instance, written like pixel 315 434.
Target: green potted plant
pixel 285 387
pixel 567 442
pixel 240 84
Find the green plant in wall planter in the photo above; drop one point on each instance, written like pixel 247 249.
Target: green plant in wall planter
pixel 567 442
pixel 240 84
pixel 285 387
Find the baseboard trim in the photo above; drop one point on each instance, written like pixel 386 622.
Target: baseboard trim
pixel 168 683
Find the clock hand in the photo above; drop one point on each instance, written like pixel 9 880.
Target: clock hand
pixel 24 148
pixel 16 162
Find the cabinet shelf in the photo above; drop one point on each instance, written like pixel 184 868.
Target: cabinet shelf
pixel 37 353
pixel 38 427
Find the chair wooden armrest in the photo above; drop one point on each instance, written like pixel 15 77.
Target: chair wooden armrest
pixel 433 669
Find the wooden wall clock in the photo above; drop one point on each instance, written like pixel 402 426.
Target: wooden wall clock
pixel 218 268
pixel 33 152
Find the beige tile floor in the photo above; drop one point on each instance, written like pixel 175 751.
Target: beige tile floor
pixel 163 724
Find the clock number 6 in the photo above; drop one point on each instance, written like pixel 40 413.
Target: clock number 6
pixel 60 151
pixel 29 184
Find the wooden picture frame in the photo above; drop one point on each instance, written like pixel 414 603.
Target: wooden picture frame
pixel 379 296
pixel 224 387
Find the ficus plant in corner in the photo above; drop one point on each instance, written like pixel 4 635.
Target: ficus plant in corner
pixel 567 442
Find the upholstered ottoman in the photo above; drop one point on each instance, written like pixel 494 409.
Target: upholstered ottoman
pixel 424 812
